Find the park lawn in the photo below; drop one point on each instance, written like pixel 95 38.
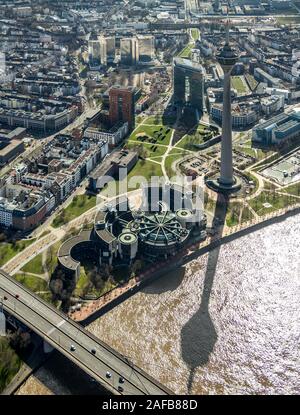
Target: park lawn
pixel 288 20
pixel 237 214
pixel 10 363
pixel 154 120
pixel 195 34
pixel 80 204
pixel 152 131
pixel 294 189
pixel 269 186
pixel 277 201
pixel 35 266
pixel 169 162
pixel 9 250
pixel 188 141
pixel 151 150
pixel 143 169
pixel 146 169
pixel 32 282
pixel 247 150
pixel 239 85
pixel 157 159
pixel 246 215
pixel 186 52
pixel 232 218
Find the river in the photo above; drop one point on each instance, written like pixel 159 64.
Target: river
pixel 226 323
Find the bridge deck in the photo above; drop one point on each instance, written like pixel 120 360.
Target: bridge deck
pixel 61 332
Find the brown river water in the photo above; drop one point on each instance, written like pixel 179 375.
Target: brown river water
pixel 226 323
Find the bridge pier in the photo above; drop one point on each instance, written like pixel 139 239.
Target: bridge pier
pixel 2 324
pixel 47 347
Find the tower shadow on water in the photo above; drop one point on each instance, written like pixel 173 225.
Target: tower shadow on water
pixel 198 335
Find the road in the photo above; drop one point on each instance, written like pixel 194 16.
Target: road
pixel 61 332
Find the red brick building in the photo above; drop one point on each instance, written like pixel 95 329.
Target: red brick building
pixel 122 105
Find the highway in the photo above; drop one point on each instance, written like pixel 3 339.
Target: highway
pixel 61 333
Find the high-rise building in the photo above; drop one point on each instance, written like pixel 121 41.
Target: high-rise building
pixel 188 83
pixel 122 105
pixel 129 51
pixel 110 49
pixel 146 46
pixel 97 51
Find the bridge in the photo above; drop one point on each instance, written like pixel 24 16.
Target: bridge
pixel 112 370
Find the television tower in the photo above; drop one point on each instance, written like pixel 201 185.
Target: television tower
pixel 226 183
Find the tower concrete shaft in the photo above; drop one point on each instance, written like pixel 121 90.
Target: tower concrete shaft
pixel 226 177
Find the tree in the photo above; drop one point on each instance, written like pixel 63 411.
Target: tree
pixel 20 340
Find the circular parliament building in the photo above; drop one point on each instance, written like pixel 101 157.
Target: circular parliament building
pixel 164 223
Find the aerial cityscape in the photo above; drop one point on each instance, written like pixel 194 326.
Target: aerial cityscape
pixel 149 197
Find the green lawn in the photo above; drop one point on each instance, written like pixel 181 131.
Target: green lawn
pixel 32 282
pixel 79 205
pixel 288 20
pixel 154 120
pixel 35 266
pixel 239 85
pixel 150 150
pixel 274 199
pixel 9 250
pixel 9 363
pixel 159 134
pixel 195 34
pixel 146 169
pixel 168 164
pixel 143 169
pixel 186 52
pixel 294 189
pixel 202 134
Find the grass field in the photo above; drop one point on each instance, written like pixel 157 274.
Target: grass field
pixel 294 189
pixel 9 250
pixel 35 266
pixel 32 282
pixel 158 133
pixel 144 169
pixel 79 205
pixel 275 200
pixel 188 141
pixel 195 34
pixel 239 85
pixel 36 285
pixel 150 150
pixel 169 161
pixel 186 52
pixel 288 20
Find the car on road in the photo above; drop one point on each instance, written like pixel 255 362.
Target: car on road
pixel 108 375
pixel 93 351
pixel 72 348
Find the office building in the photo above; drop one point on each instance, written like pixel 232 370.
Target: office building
pixel 188 84
pixel 129 48
pixel 146 48
pixel 122 105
